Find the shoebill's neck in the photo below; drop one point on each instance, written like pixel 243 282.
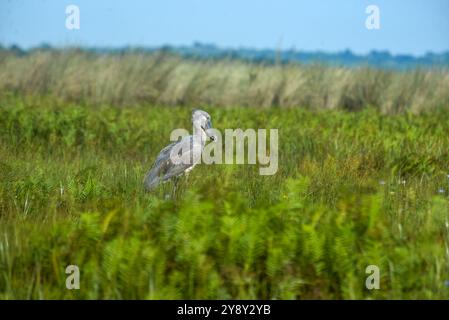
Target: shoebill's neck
pixel 199 136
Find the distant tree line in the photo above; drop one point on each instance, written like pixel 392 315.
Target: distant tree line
pixel 376 59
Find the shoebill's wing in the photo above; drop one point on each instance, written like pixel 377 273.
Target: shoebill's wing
pixel 165 168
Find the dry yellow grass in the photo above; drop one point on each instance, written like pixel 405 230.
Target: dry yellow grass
pixel 161 79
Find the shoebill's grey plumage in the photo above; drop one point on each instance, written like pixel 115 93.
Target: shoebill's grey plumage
pixel 168 165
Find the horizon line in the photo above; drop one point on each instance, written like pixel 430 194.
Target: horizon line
pixel 45 45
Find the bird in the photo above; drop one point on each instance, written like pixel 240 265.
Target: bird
pixel 181 156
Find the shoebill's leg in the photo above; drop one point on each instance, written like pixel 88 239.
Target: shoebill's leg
pixel 175 187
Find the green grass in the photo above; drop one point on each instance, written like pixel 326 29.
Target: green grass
pixel 352 190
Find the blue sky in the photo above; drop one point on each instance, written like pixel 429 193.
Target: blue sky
pixel 407 26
